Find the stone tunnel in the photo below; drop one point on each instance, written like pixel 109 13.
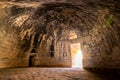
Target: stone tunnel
pixel 52 33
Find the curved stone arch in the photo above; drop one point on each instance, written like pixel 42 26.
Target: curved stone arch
pixel 94 25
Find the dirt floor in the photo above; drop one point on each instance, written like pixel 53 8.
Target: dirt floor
pixel 54 74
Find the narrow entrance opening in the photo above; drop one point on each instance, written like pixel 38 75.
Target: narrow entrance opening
pixel 76 55
pixel 32 58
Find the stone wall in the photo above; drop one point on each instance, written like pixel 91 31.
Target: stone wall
pixel 60 57
pixel 46 30
pixel 11 54
pixel 101 46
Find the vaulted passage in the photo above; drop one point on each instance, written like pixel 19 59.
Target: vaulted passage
pixel 63 39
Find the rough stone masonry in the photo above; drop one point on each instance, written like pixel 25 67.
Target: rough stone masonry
pixel 43 28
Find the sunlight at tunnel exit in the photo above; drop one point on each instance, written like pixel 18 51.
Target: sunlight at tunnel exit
pixel 76 55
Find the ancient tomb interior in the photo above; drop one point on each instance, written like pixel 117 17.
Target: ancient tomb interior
pixel 59 40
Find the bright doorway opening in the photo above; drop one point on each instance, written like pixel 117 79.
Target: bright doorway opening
pixel 76 54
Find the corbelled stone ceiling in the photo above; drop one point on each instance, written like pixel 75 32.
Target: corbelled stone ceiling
pixel 44 28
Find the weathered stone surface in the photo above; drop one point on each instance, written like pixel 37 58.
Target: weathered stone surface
pixel 44 29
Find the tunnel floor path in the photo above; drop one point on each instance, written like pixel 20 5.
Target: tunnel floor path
pixel 35 73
